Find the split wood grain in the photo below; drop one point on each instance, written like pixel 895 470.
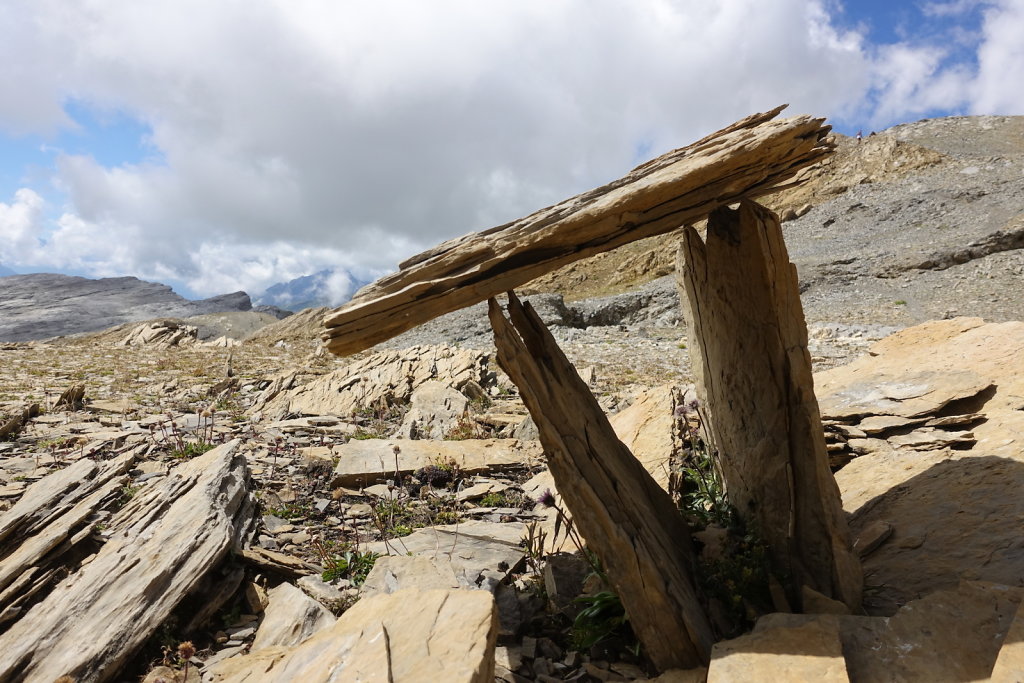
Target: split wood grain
pixel 750 158
pixel 629 521
pixel 748 346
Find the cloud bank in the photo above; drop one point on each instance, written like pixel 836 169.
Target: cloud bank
pixel 287 137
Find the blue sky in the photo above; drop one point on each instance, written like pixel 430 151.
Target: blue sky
pixel 232 145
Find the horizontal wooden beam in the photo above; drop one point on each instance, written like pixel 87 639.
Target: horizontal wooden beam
pixel 750 158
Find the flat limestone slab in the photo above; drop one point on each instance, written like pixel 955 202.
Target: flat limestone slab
pixel 953 518
pixel 412 635
pixel 479 552
pixel 370 461
pixel 905 394
pixel 811 651
pixel 952 635
pixel 395 572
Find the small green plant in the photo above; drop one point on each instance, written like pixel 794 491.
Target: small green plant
pixel 290 510
pixel 739 576
pixel 465 428
pixel 446 517
pixel 480 404
pixel 900 302
pixel 602 617
pixel 350 564
pixel 698 483
pixel 181 446
pixel 361 434
pixel 126 494
pixel 510 498
pixel 191 450
pixel 494 500
pixel 389 513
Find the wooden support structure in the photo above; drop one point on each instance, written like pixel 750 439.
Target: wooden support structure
pixel 748 343
pixel 753 157
pixel 629 522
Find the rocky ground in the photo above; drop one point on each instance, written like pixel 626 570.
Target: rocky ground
pixel 416 465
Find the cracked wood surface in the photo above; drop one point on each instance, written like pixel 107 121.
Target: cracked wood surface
pixel 629 521
pixel 753 157
pixel 748 345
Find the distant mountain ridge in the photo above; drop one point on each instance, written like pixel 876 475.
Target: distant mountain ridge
pixel 330 287
pixel 43 305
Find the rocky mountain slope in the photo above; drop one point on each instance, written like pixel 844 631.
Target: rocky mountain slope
pixel 917 222
pixel 408 480
pixel 45 305
pixel 921 221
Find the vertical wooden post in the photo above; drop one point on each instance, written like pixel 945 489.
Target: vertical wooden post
pixel 748 344
pixel 629 522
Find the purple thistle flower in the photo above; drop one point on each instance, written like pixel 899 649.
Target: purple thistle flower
pixel 547 499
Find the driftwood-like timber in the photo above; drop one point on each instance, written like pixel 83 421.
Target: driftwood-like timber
pixel 748 344
pixel 159 547
pixel 629 521
pixel 750 158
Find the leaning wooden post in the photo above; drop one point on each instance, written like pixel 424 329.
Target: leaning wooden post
pixel 748 343
pixel 628 520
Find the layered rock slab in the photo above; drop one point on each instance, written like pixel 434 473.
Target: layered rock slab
pixel 477 554
pixel 49 521
pixel 368 461
pixel 290 618
pixel 955 514
pixel 159 546
pixel 410 635
pixel 384 378
pixel 630 523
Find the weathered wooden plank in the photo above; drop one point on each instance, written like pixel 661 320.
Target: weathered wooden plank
pixel 752 157
pixel 627 519
pixel 748 344
pixel 160 545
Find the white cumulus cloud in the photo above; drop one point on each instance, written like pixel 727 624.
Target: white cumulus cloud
pixel 289 136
